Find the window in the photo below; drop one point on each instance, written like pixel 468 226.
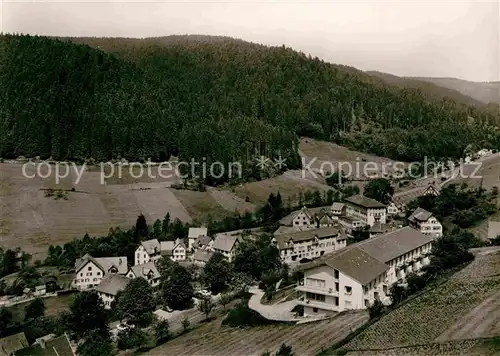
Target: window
pixel 336 274
pixel 98 273
pixel 348 289
pixel 336 287
pixel 367 303
pixel 81 274
pixel 90 268
pixel 315 310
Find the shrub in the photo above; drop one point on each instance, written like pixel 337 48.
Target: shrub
pixel 242 316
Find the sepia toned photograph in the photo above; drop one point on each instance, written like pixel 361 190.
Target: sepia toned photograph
pixel 249 178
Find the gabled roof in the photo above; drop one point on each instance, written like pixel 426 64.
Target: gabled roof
pixel 112 284
pixel 151 246
pixel 12 343
pixel 288 220
pixel 365 202
pixel 337 206
pixel 202 256
pixel 144 270
pixel 364 260
pixel 420 215
pixel 432 188
pixel 195 232
pixel 225 242
pixel 357 264
pixel 103 263
pixel 202 240
pixel 290 229
pixel 306 235
pixel 167 247
pixel 59 346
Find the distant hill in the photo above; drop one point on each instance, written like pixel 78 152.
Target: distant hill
pixel 431 87
pixel 486 92
pixel 215 99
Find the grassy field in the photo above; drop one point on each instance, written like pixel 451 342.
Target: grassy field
pixel 306 339
pixel 464 307
pixel 199 204
pixel 53 305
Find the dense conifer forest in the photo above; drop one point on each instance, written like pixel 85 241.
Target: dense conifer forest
pixel 213 97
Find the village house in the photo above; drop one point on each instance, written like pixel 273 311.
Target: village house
pixel 337 209
pixel 203 242
pixel 89 271
pixel 109 288
pixel 355 276
pixel 148 271
pixel 365 210
pixel 40 290
pixel 302 218
pixel 432 189
pixel 393 209
pixel 147 251
pixel 309 244
pixel 226 244
pixel 426 223
pixel 176 250
pixel 201 257
pixel 194 233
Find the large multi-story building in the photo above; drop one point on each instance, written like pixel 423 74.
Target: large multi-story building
pixel 309 244
pixel 355 276
pixel 425 222
pixel 366 210
pixel 89 271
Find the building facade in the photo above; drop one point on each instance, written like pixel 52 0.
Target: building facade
pixel 366 210
pixel 356 276
pixel 148 251
pixel 426 223
pixel 90 271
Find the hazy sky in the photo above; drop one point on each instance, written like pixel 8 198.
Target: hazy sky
pixel 414 38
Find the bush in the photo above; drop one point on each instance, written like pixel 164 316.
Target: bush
pixel 376 309
pixel 242 316
pixel 131 338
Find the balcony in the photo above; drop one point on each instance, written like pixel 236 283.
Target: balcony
pixel 317 290
pixel 317 304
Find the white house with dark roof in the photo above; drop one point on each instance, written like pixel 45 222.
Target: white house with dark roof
pixel 226 244
pixel 89 271
pixel 194 233
pixel 147 251
pixel 302 218
pixel 310 243
pixel 353 277
pixel 176 250
pixel 148 271
pixel 109 288
pixel 366 210
pixel 433 189
pixel 425 222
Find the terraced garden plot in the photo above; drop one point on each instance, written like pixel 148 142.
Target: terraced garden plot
pixel 428 316
pixel 306 339
pixel 452 348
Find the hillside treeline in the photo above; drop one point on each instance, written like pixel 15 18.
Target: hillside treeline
pixel 218 98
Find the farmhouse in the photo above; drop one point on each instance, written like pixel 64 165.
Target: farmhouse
pixel 310 244
pixel 176 250
pixel 302 218
pixel 337 209
pixel 194 233
pixel 147 251
pixel 40 290
pixel 201 257
pixel 393 209
pixel 426 223
pixel 148 271
pixel 90 271
pixel 203 242
pixel 366 210
pixel 432 189
pixel 226 244
pixel 109 288
pixel 355 276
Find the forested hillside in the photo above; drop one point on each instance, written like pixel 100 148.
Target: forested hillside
pixel 214 97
